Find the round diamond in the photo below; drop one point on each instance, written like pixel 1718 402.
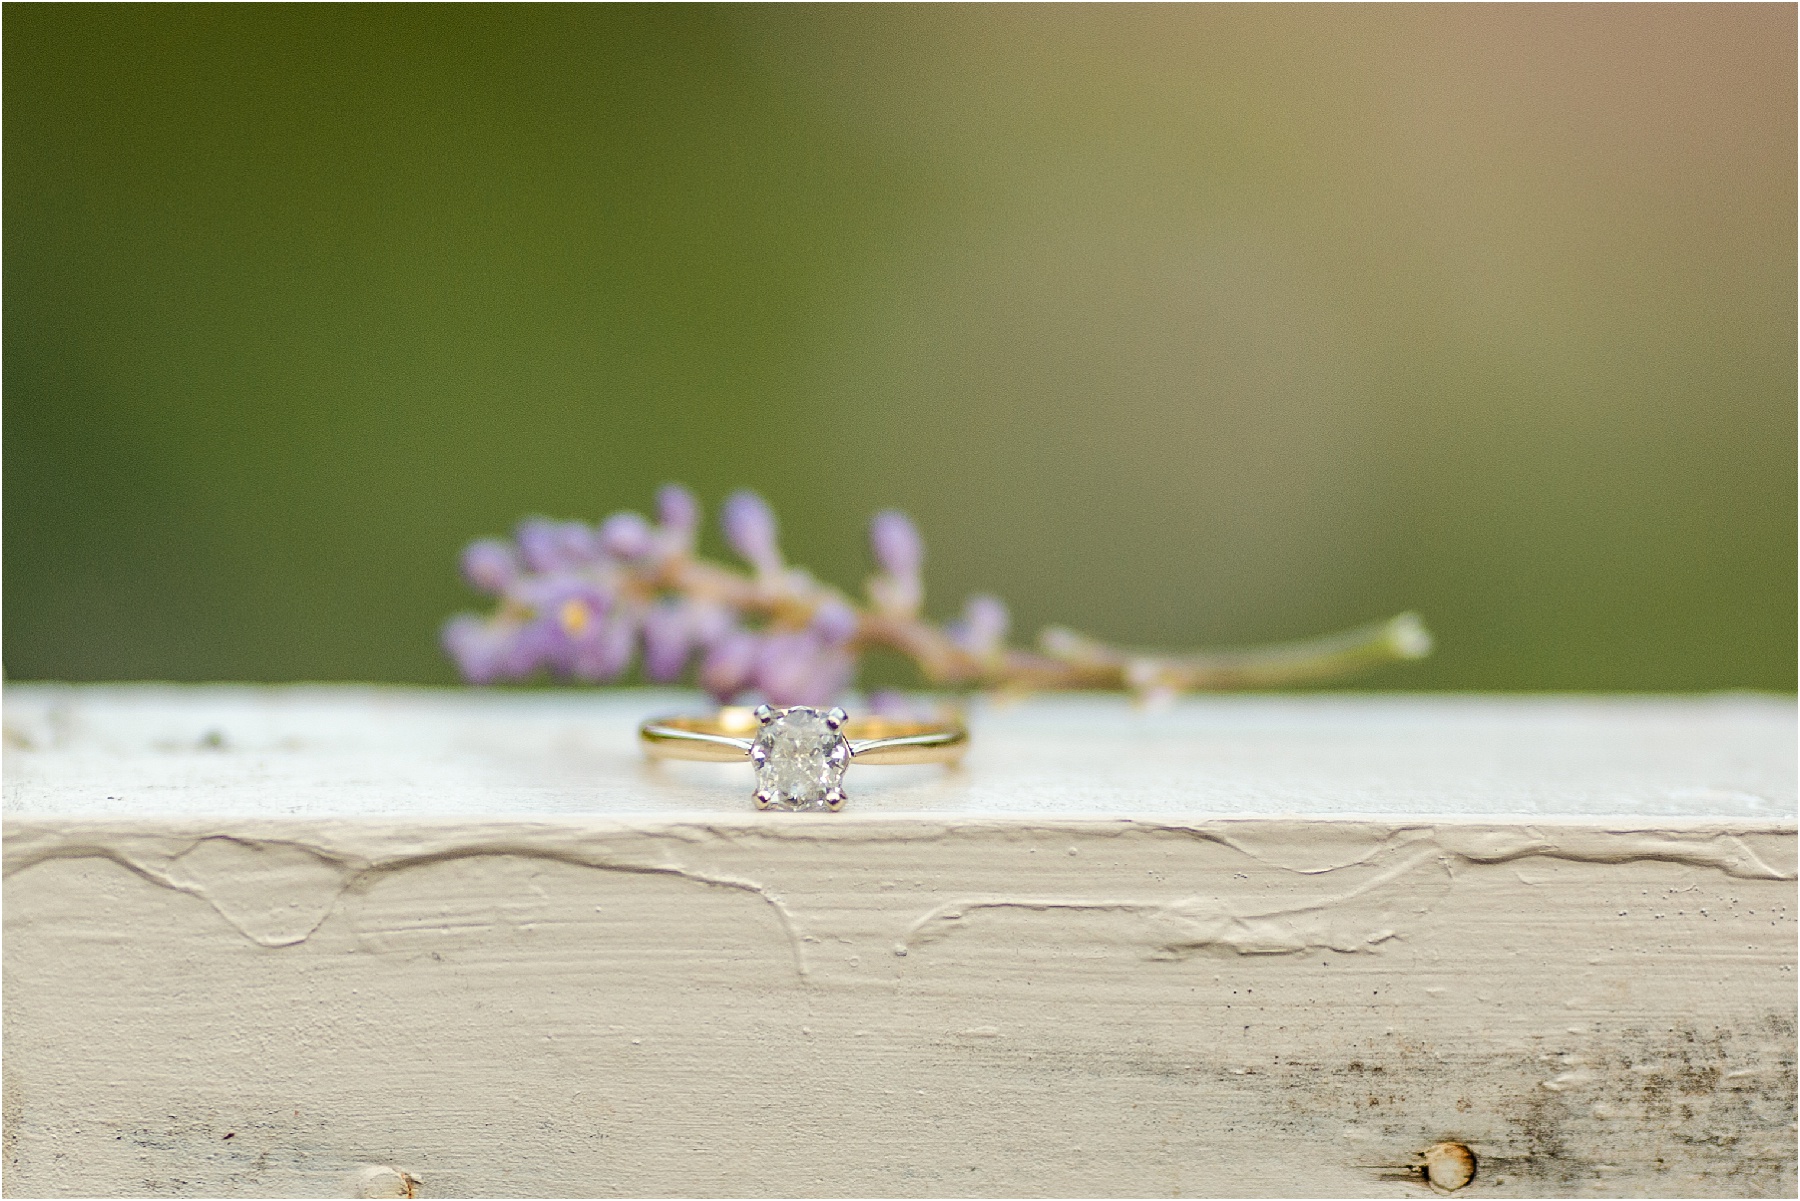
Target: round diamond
pixel 800 761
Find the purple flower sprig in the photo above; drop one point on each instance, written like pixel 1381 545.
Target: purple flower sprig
pixel 585 602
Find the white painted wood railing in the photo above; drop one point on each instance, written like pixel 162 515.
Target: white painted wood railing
pixel 323 941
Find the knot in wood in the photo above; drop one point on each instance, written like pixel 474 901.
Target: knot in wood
pixel 1449 1166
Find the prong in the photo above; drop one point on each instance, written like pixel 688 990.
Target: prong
pixel 836 717
pixel 763 714
pixel 763 798
pixel 834 799
pixel 758 755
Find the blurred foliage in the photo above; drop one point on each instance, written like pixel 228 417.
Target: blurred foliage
pixel 1180 325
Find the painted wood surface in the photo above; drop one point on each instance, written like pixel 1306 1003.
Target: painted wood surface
pixel 296 954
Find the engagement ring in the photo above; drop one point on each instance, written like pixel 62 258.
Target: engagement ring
pixel 800 754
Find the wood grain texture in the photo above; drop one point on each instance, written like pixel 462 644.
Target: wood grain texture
pixel 1242 985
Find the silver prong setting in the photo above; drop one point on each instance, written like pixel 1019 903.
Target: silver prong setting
pixel 763 714
pixel 836 717
pixel 799 755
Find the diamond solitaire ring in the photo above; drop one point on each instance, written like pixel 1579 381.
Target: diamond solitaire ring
pixel 800 754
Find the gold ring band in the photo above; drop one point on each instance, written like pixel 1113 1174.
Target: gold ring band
pixel 727 737
pixel 801 743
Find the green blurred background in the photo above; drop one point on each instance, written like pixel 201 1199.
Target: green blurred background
pixel 1180 325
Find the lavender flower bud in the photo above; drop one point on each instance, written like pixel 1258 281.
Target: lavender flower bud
pixel 796 669
pixel 556 648
pixel 476 646
pixel 785 665
pixel 896 543
pixel 678 512
pixel 605 653
pixel 540 542
pixel 489 565
pixel 728 665
pixel 831 673
pixel 834 622
pixel 708 621
pixel 983 624
pixel 626 536
pixel 749 526
pixel 563 598
pixel 526 647
pixel 666 642
pixel 579 543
